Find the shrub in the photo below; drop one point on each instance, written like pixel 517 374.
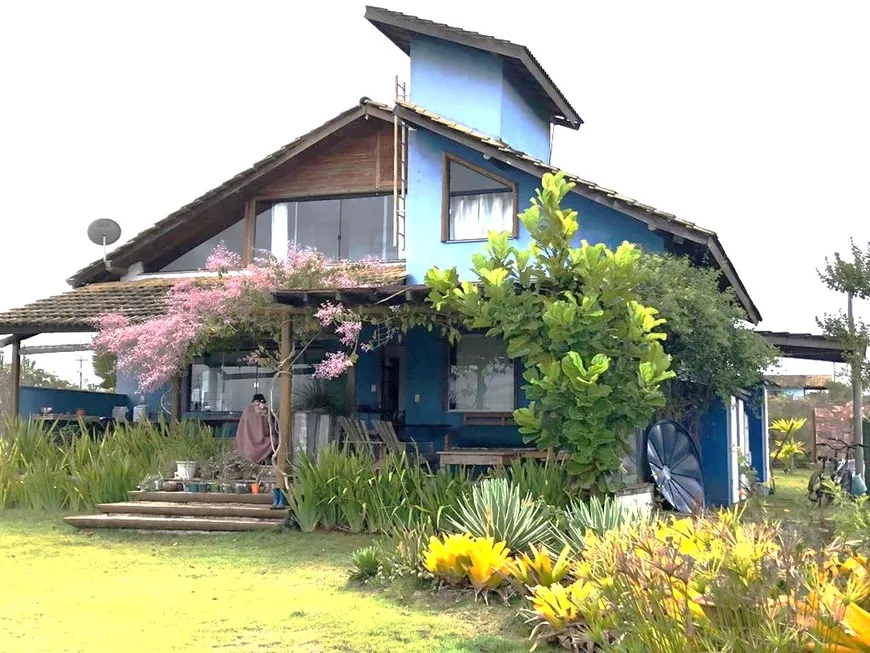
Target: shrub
pixel 497 510
pixel 366 563
pixel 402 550
pixel 710 584
pixel 592 355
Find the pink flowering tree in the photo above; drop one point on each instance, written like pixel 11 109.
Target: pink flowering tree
pixel 236 301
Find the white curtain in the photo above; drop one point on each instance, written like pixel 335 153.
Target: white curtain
pixel 280 235
pixel 473 216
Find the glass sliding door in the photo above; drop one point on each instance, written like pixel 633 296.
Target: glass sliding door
pixel 351 228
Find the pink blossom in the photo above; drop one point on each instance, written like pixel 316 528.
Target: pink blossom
pixel 333 366
pixel 328 313
pixel 349 332
pixel 154 350
pixel 222 260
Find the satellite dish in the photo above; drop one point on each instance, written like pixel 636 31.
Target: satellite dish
pixel 675 465
pixel 104 232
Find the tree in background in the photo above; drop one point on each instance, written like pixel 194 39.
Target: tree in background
pixel 32 376
pixel 853 278
pixel 105 368
pixel 714 352
pixel 787 446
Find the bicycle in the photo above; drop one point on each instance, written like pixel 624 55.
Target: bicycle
pixel 840 474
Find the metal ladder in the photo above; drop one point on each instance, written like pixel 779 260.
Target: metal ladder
pixel 400 170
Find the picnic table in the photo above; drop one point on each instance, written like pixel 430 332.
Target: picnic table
pixel 495 457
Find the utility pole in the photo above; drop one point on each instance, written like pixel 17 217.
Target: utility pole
pixel 857 392
pixel 81 360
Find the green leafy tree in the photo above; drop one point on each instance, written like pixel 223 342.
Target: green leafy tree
pixel 714 353
pixel 31 375
pixel 105 368
pixel 787 445
pixel 591 350
pixel 853 278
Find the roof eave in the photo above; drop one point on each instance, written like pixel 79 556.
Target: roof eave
pixel 653 220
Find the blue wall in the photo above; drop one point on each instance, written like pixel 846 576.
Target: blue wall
pixel 474 88
pixel 456 82
pixel 523 125
pixel 714 454
pixel 69 401
pixel 127 385
pixel 598 223
pixel 756 415
pixel 426 359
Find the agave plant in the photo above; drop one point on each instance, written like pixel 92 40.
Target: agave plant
pixel 497 510
pixel 366 563
pixel 596 515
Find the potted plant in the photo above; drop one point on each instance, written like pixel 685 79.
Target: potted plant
pixel 185 469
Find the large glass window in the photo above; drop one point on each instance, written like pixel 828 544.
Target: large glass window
pixel 477 202
pixel 226 381
pixel 233 238
pixel 348 228
pixel 481 375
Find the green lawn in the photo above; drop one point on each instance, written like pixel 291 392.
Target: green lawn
pixel 791 506
pixel 65 590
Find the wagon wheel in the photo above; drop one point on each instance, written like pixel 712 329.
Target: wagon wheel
pixel 675 465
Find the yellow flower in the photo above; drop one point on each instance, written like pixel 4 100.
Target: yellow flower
pixel 487 563
pixel 560 605
pixel 540 568
pixel 448 558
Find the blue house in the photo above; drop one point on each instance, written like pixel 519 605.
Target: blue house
pixel 417 183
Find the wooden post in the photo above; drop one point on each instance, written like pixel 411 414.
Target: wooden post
pixel 176 398
pixel 15 377
pixel 285 405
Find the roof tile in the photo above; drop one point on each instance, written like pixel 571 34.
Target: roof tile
pixel 139 300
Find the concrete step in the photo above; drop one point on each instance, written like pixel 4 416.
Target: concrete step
pixel 197 509
pixel 201 497
pixel 161 523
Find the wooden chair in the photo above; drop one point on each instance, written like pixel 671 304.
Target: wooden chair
pixel 387 433
pixel 356 433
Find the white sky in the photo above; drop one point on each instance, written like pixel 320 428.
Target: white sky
pixel 747 118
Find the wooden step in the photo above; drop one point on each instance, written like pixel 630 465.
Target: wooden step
pixel 170 508
pixel 158 523
pixel 201 497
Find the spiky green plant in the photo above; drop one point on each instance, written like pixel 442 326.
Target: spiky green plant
pixel 366 563
pixel 547 480
pixel 497 509
pixel 596 515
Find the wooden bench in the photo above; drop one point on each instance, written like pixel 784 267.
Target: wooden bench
pixel 495 457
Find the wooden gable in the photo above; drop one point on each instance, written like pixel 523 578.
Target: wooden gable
pixel 360 162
